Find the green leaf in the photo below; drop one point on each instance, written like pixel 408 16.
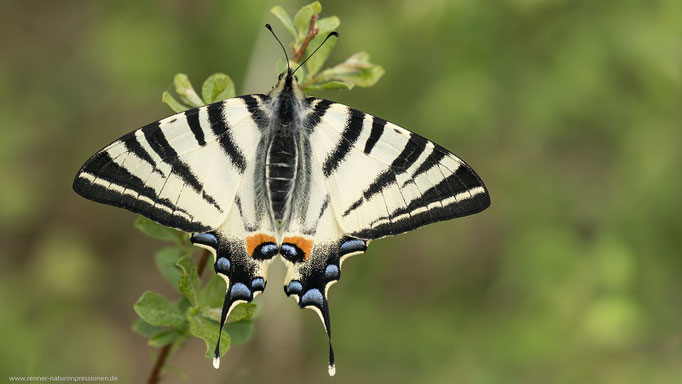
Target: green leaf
pixel 185 90
pixel 156 310
pixel 158 231
pixel 213 293
pixel 163 338
pixel 281 66
pixel 239 332
pixel 207 330
pixel 190 285
pixel 327 24
pixel 283 17
pixel 243 311
pixel 315 63
pixel 183 305
pixel 328 85
pixel 217 87
pixel 303 16
pixel 357 71
pixel 145 329
pixel 175 105
pixel 166 261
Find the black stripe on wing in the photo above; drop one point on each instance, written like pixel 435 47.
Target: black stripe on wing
pixel 157 140
pixel 410 153
pixel 258 114
pixel 192 117
pixel 102 167
pixel 220 128
pixel 348 138
pixel 315 116
pixel 375 134
pixel 463 181
pixel 133 145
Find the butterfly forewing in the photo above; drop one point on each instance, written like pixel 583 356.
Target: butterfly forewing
pixel 385 180
pixel 182 171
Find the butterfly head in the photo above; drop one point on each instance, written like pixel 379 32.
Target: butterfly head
pixel 287 85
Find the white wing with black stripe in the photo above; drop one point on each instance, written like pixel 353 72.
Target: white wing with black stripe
pixel 197 171
pixel 384 180
pixel 366 178
pixel 182 171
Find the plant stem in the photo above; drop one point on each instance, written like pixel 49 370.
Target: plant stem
pixel 312 32
pixel 203 261
pixel 155 375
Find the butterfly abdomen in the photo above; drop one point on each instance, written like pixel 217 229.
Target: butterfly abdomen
pixel 281 165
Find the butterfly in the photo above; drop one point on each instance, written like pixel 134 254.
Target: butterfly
pixel 257 176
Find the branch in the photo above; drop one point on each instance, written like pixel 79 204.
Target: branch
pixel 155 375
pixel 312 32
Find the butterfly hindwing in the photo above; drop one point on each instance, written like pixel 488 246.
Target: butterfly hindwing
pixel 384 180
pixel 313 248
pixel 241 256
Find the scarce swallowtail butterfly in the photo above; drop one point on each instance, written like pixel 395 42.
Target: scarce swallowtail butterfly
pixel 258 176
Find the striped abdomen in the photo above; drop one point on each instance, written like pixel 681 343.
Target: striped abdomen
pixel 280 172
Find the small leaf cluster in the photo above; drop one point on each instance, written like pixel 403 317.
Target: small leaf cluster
pixel 197 312
pixel 216 87
pixel 309 31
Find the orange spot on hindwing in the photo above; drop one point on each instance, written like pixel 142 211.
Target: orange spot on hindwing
pixel 303 244
pixel 252 242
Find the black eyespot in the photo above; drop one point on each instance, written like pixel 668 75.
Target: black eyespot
pixel 265 251
pixel 292 253
pixel 296 78
pixel 280 75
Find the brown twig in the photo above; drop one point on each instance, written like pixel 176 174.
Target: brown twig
pixel 312 32
pixel 203 261
pixel 155 375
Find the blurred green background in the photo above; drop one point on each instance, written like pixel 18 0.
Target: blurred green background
pixel 569 110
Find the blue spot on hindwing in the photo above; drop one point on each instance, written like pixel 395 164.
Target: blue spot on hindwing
pixel 240 291
pixel 269 249
pixel 331 272
pixel 292 253
pixel 222 265
pixel 352 245
pixel 258 284
pixel 294 288
pixel 205 238
pixel 312 297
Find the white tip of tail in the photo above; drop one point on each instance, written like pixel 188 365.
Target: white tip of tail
pixel 216 362
pixel 332 370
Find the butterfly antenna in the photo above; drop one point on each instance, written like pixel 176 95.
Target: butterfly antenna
pixel 280 44
pixel 335 34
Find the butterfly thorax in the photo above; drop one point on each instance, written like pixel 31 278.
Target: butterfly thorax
pixel 283 154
